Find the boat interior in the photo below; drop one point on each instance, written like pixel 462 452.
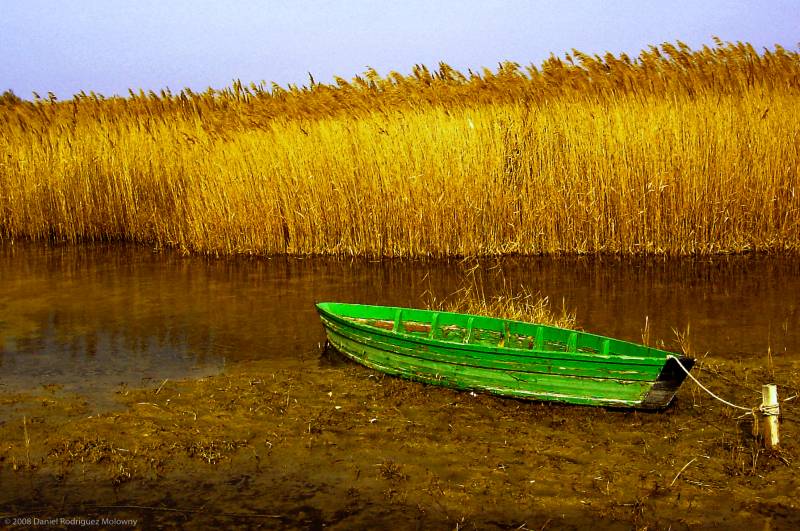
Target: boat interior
pixel 492 332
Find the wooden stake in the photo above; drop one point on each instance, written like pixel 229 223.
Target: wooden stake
pixel 770 410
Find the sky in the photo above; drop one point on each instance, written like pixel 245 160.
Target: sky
pixel 109 46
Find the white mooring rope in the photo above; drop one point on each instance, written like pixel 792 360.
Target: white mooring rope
pixel 768 410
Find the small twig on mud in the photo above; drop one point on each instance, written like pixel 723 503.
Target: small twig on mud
pixel 148 404
pixel 685 467
pixel 27 441
pixel 782 458
pixel 698 483
pixel 160 387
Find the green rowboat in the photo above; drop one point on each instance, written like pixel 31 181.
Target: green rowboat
pixel 508 358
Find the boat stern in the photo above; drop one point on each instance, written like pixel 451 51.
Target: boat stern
pixel 668 382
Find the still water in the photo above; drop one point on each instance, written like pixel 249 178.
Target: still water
pixel 91 318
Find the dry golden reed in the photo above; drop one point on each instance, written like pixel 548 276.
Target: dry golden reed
pixel 676 151
pixel 518 304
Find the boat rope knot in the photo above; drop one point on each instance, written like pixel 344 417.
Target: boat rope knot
pixel 770 410
pixel 766 410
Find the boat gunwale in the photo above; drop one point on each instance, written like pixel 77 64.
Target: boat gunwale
pixel 588 357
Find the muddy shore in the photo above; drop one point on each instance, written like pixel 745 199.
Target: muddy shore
pixel 335 445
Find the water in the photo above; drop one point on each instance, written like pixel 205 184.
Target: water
pixel 91 318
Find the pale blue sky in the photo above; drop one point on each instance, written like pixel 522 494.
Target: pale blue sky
pixel 109 46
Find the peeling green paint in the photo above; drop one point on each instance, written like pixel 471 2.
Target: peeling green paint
pixel 509 358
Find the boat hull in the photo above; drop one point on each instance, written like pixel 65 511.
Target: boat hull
pixel 577 376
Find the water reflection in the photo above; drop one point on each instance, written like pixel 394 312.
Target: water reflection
pixel 91 317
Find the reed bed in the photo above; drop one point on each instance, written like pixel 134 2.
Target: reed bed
pixel 674 152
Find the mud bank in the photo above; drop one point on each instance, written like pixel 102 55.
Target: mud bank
pixel 335 445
